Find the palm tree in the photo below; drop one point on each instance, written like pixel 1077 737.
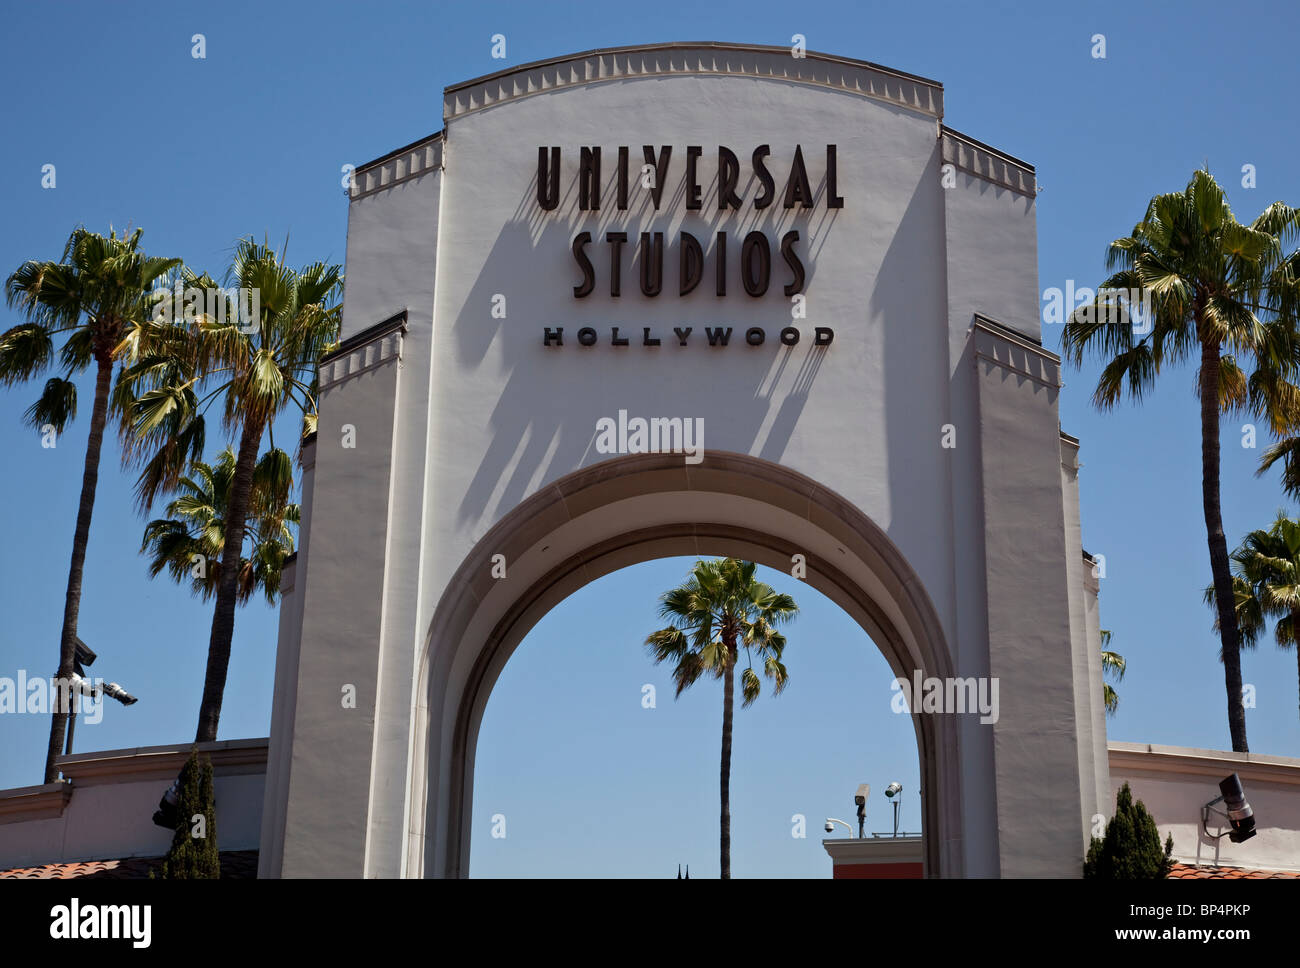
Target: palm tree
pixel 1112 664
pixel 260 369
pixel 101 288
pixel 188 544
pixel 1267 583
pixel 1215 285
pixel 718 611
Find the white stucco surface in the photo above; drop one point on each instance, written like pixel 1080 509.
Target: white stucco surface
pixel 464 414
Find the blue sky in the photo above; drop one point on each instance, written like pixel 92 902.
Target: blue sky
pixel 251 139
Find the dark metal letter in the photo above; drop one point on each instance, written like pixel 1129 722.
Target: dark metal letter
pixel 652 264
pixel 622 177
pixel 728 178
pixel 692 264
pixel 548 179
pixel 589 179
pixel 755 245
pixel 693 153
pixel 833 200
pixel 615 240
pixel 797 188
pixel 721 256
pixel 764 198
pixel 792 260
pixel 660 166
pixel 588 273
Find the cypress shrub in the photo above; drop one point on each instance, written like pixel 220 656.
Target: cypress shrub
pixel 1130 850
pixel 192 856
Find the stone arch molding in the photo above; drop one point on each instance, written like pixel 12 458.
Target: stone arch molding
pixel 842 74
pixel 633 509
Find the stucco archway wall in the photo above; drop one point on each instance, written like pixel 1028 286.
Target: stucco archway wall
pixel 632 509
pixel 467 421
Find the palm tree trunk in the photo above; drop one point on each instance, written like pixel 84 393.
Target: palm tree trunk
pixel 728 705
pixel 1209 387
pixel 223 616
pixel 1295 638
pixel 72 601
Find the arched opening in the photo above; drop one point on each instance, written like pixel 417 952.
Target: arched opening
pixel 588 765
pixel 634 509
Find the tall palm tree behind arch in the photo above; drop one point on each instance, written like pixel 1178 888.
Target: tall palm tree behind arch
pixel 1223 294
pixel 259 368
pixel 720 610
pixel 101 289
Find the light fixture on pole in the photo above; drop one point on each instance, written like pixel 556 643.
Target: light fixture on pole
pixel 895 793
pixel 860 799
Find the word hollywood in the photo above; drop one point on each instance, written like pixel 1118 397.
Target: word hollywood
pixel 755 250
pixel 658 435
pixel 716 335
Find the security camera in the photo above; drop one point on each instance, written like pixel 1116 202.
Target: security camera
pixel 84 686
pixel 117 692
pixel 893 790
pixel 1240 816
pixel 830 827
pixel 82 653
pixel 864 791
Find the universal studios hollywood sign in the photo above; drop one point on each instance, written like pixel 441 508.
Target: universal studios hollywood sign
pixel 753 260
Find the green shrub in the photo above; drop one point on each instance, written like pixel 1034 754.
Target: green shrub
pixel 193 856
pixel 1130 850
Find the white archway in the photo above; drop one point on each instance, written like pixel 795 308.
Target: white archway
pixel 933 415
pixel 633 509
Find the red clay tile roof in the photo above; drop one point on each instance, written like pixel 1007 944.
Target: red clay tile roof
pixel 1186 872
pixel 235 865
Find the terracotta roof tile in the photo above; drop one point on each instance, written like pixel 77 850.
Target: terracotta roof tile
pixel 235 865
pixel 1189 872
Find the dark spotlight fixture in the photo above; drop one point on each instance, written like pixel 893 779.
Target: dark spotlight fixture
pixel 1240 817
